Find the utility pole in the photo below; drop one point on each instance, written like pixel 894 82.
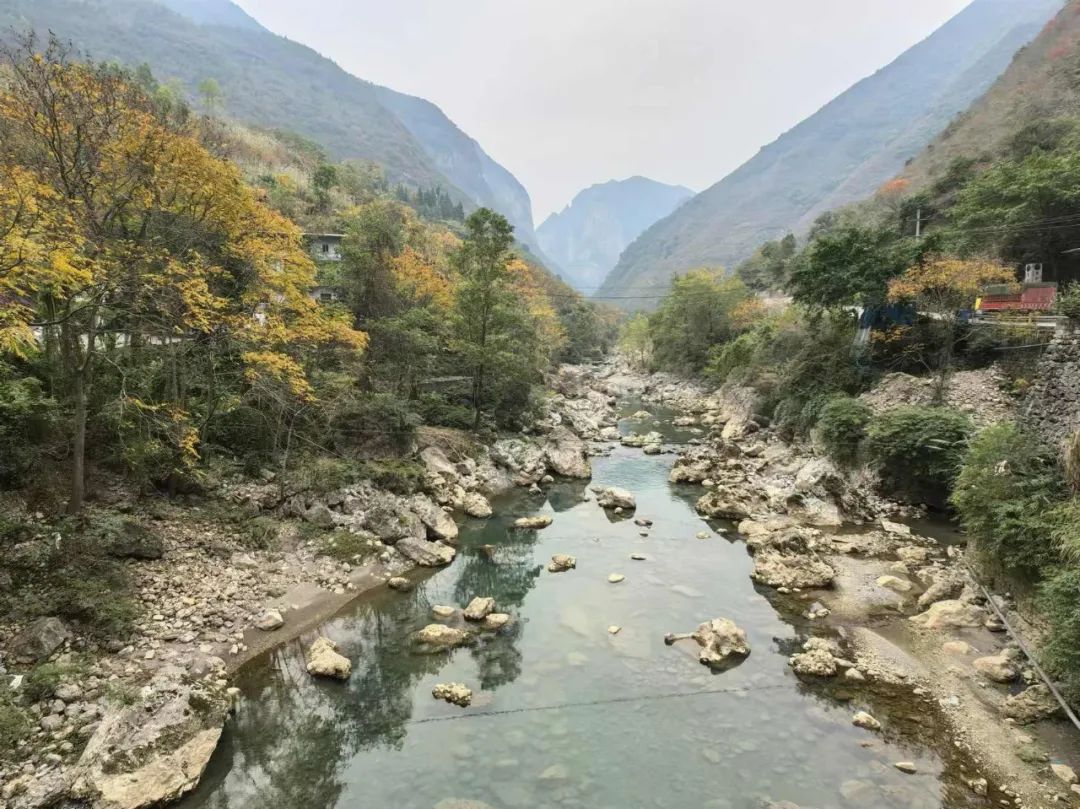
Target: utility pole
pixel 918 224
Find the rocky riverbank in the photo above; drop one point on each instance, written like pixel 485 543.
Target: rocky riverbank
pixel 886 608
pixel 132 723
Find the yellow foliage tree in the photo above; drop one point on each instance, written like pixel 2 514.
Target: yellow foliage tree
pixel 121 234
pixel 941 287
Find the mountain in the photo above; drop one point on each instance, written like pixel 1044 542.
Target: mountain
pixel 841 153
pixel 587 237
pixel 1038 87
pixel 273 82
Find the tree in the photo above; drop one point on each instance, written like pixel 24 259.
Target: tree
pixel 143 258
pixel 323 180
pixel 851 265
pixel 212 96
pixel 941 287
pixel 635 342
pixel 770 266
pixel 487 312
pixel 697 315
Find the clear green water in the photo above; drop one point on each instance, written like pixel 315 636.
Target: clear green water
pixel 566 714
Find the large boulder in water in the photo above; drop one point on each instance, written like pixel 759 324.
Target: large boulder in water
pixel 39 640
pixel 566 455
pixel 720 639
pixel 152 753
pixel 614 497
pixel 442 637
pixel 324 660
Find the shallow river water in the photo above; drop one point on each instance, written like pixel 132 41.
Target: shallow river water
pixel 564 713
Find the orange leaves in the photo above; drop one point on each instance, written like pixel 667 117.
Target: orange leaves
pixel 895 188
pixel 419 279
pixel 951 282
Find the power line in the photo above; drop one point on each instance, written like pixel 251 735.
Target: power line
pixel 598 702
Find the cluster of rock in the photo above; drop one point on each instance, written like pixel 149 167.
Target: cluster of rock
pixel 139 754
pixel 979 393
pixel 788 557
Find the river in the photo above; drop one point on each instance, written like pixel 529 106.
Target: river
pixel 565 713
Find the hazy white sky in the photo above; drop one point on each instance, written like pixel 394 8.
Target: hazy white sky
pixel 567 93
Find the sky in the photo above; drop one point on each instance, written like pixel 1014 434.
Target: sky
pixel 568 93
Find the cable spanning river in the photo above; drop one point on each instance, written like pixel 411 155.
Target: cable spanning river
pixel 565 713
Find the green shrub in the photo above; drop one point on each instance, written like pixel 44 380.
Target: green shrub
pixel 919 451
pixel 1059 600
pixel 842 426
pixel 373 420
pixel 401 476
pixel 343 546
pixel 28 419
pixel 438 411
pixel 1068 302
pixel 42 681
pixel 1008 496
pixel 14 724
pixel 320 474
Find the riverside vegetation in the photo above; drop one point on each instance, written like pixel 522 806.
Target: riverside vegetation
pixel 162 357
pixel 1015 495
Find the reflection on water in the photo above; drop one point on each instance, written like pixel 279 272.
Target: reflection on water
pixel 564 713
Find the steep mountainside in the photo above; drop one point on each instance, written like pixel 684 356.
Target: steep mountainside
pixel 587 237
pixel 842 152
pixel 271 81
pixel 1040 85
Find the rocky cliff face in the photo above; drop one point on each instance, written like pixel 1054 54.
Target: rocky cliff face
pixel 842 153
pixel 586 239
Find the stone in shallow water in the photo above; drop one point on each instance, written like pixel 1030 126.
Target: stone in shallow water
pixel 614 630
pixel 560 563
pixel 496 620
pixel 441 636
pixel 533 523
pixel 323 660
pixel 479 608
pixel 864 720
pixel 615 578
pixel 454 693
pixel 443 612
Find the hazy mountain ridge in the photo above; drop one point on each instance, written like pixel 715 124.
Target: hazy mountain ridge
pixel 1039 86
pixel 586 238
pixel 842 152
pixel 271 81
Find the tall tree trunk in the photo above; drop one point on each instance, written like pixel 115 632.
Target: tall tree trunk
pixel 78 449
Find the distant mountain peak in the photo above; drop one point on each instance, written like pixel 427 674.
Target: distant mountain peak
pixel 586 238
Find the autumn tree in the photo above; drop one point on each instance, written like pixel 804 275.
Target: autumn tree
pixel 145 264
pixel 941 287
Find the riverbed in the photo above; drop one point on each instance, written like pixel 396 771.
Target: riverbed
pixel 565 713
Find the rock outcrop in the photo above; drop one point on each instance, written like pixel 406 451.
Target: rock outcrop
pixel 153 752
pixel 324 660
